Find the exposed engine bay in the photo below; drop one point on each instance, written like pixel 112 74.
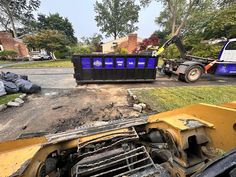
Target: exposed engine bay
pixel 180 143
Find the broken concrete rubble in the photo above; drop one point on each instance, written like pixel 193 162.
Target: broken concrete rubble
pixel 51 94
pixel 19 100
pixel 22 96
pixel 13 104
pixel 3 107
pixel 144 106
pixel 137 107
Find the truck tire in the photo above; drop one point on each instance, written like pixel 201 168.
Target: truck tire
pixel 192 74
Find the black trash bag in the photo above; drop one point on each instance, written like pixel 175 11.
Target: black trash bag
pixel 18 83
pixel 27 87
pixel 12 77
pixel 10 87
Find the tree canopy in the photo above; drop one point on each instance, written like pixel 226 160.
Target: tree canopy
pixel 221 23
pixel 94 42
pixel 175 13
pixel 50 40
pixel 56 22
pixel 18 12
pixel 116 18
pixel 153 40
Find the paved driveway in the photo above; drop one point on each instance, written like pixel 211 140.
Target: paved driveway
pixel 62 78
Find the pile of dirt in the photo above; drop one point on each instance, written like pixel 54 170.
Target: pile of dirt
pixel 88 115
pixel 61 110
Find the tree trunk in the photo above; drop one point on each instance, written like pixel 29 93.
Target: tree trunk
pixel 173 10
pixel 115 35
pixel 173 25
pixel 13 27
pixel 11 21
pixel 190 8
pixel 53 55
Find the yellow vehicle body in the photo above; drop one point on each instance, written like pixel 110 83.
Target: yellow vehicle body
pixel 212 127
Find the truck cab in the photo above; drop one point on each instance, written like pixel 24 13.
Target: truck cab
pixel 227 59
pixel 228 53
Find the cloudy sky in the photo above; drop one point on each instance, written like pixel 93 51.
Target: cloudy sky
pixel 81 14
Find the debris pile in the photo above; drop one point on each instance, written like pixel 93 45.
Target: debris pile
pixel 14 83
pixel 92 114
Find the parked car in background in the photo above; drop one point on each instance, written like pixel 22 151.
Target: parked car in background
pixel 39 56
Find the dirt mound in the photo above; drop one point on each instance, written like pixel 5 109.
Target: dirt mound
pixel 60 110
pixel 88 115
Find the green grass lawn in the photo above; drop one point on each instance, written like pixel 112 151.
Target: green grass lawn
pixel 4 62
pixel 164 99
pixel 66 63
pixel 10 97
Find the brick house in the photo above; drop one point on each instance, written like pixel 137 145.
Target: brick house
pixel 129 42
pixel 7 42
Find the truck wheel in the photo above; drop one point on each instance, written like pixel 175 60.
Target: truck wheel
pixel 192 74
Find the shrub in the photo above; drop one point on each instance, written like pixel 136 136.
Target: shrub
pixel 153 40
pixel 8 54
pixel 204 50
pixel 171 52
pixel 121 51
pixel 79 49
pixel 63 53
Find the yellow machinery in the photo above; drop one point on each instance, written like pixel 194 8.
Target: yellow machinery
pixel 177 143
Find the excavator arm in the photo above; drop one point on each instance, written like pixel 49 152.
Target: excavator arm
pixel 173 40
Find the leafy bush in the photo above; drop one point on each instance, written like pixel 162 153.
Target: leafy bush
pixel 63 53
pixel 153 40
pixel 79 49
pixel 204 50
pixel 121 51
pixel 194 46
pixel 171 52
pixel 8 54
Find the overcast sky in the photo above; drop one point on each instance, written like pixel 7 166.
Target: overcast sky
pixel 81 14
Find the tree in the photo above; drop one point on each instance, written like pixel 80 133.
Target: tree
pixel 56 22
pixel 221 23
pixel 94 42
pixel 80 49
pixel 16 12
pixel 117 17
pixel 175 14
pixel 153 40
pixel 225 3
pixel 50 40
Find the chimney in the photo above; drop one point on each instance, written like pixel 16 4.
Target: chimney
pixel 132 42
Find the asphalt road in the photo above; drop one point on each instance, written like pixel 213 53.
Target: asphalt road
pixel 62 78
